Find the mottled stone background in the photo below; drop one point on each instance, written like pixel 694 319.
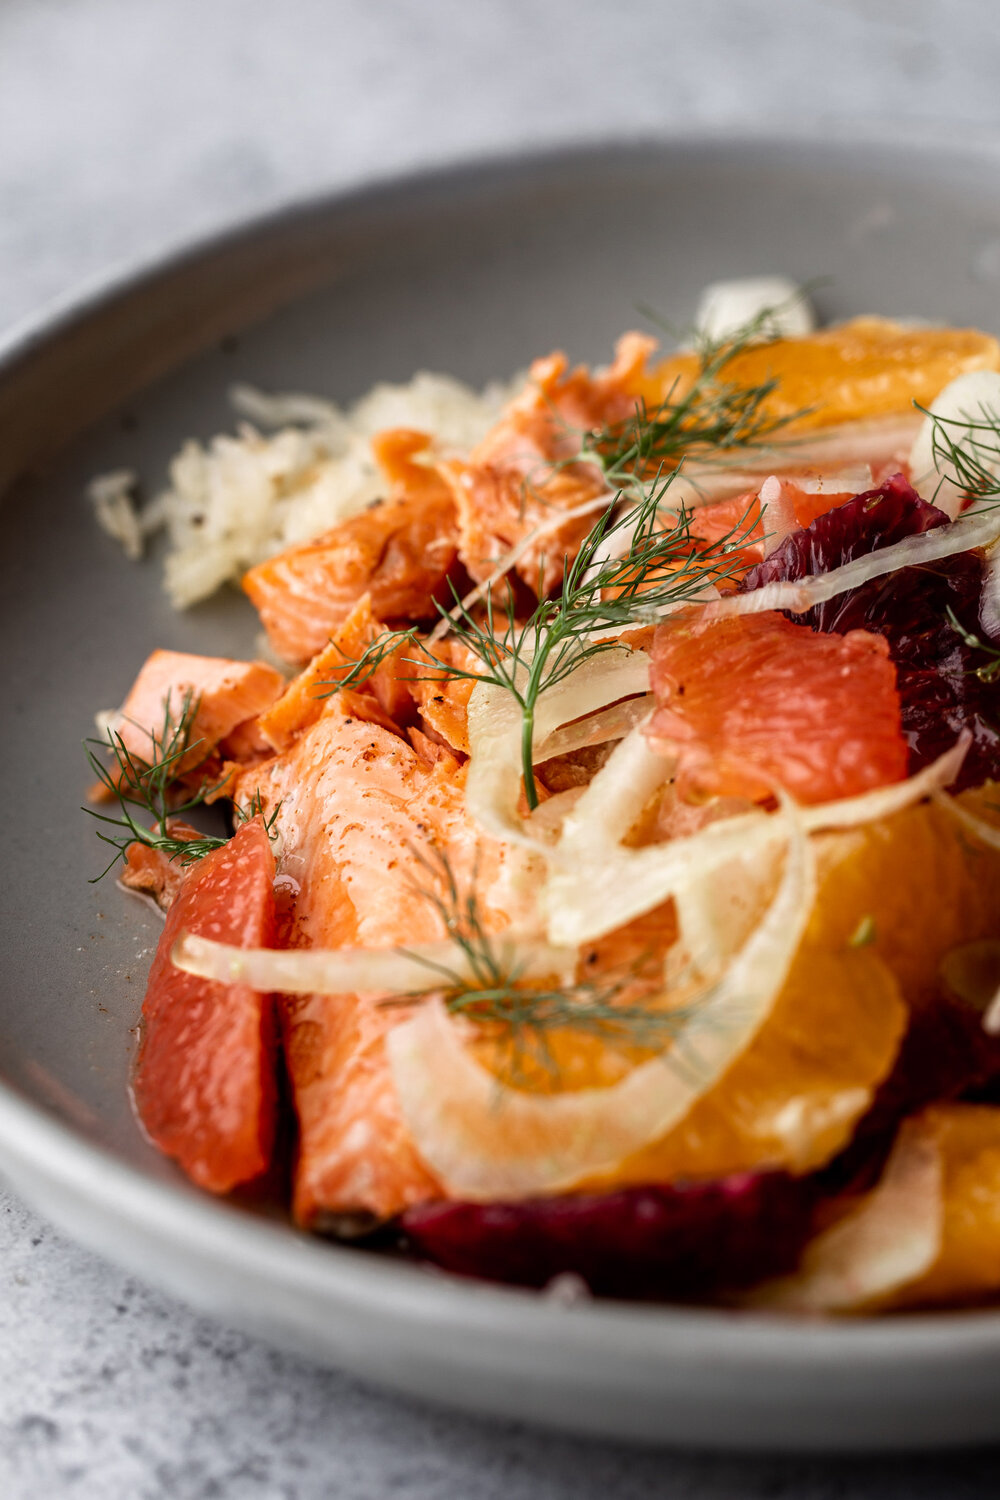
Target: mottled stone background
pixel 128 125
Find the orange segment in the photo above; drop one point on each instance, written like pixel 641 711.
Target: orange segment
pixel 869 367
pixel 967 1138
pixel 928 1233
pixel 795 1095
pixel 923 882
pixel 752 702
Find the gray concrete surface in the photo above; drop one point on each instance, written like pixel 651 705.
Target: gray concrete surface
pixel 128 125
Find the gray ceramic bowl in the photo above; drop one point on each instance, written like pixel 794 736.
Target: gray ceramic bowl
pixel 471 271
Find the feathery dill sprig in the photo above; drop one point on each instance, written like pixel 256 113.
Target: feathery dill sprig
pixel 361 668
pixel 148 787
pixel 989 671
pixel 713 416
pixel 662 568
pixel 525 1016
pixel 968 446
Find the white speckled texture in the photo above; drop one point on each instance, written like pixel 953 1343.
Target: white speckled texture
pixel 128 125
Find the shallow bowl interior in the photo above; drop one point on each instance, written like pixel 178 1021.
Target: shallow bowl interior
pixel 472 271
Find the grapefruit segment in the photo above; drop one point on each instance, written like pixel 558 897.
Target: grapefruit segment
pixel 754 702
pixel 205 1080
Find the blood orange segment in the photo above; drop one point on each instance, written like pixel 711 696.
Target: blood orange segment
pixel 651 1241
pixel 755 702
pixel 864 523
pixel 205 1081
pixel 943 688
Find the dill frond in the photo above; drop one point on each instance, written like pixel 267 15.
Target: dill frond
pixel 360 669
pixel 148 787
pixel 522 1016
pixel 969 446
pixel 662 569
pixel 989 672
pixel 712 417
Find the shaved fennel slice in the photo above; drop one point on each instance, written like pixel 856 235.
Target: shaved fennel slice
pixel 989 599
pixel 717 913
pixel 493 781
pixel 972 973
pixel 877 441
pixel 889 1241
pixel 975 530
pixel 352 971
pixel 616 796
pixel 485 1141
pixel 966 413
pixel 840 450
pixel 777 513
pixel 595 884
pixel 596 729
pixel 986 833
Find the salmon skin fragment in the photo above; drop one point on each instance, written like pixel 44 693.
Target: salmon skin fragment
pixel 752 703
pixel 684 1240
pixel 225 698
pixel 205 1079
pixel 940 689
pixel 400 553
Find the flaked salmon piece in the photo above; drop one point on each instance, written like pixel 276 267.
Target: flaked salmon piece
pixel 307 694
pixel 357 807
pixel 523 474
pixel 431 752
pixel 152 873
pixel 229 696
pixel 399 552
pixel 246 744
pixel 442 700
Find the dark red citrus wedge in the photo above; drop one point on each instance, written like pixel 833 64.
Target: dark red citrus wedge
pixel 678 1241
pixel 940 689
